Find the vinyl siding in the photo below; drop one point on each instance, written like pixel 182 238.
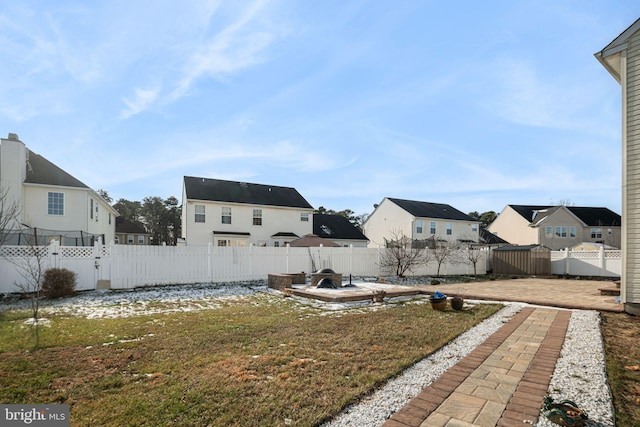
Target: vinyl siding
pixel 632 211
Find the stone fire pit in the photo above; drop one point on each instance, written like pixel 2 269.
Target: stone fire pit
pixel 326 278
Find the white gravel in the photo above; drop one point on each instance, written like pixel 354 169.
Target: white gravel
pixel 579 375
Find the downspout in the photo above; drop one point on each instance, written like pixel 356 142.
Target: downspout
pixel 624 240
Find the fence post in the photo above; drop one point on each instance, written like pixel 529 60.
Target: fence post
pixel 287 258
pixel 601 260
pixel 566 261
pixel 209 263
pixel 54 252
pixel 251 261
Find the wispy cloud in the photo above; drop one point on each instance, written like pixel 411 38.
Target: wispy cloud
pixel 141 100
pixel 239 45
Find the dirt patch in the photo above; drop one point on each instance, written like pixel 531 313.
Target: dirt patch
pixel 621 333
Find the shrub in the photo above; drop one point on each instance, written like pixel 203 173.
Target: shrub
pixel 59 282
pixel 435 282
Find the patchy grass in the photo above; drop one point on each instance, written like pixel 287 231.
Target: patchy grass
pixel 266 361
pixel 621 334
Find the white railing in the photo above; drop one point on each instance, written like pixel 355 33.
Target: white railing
pixel 130 266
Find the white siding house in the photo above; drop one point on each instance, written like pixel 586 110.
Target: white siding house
pixel 621 58
pixel 52 203
pixel 420 221
pixel 230 213
pixel 557 227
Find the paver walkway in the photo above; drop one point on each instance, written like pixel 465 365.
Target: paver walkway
pixel 502 382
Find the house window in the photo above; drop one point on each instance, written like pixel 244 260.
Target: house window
pixel 572 232
pixel 596 233
pixel 141 240
pixel 276 244
pixel 222 243
pixel 199 213
pixel 109 218
pixel 609 231
pixel 257 217
pixel 97 216
pixel 91 208
pixel 55 203
pixel 304 216
pixel 419 227
pixel 474 228
pixel 117 240
pixel 548 231
pixel 226 215
pixel 129 239
pixel 449 229
pixel 561 231
pixel 432 227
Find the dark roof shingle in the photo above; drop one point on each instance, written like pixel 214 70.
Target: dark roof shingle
pixel 217 190
pixel 335 227
pixel 431 210
pixel 592 217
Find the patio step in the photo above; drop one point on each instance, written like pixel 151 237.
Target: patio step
pixel 610 291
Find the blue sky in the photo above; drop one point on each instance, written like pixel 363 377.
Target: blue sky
pixel 474 104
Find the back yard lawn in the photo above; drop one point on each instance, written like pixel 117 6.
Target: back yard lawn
pixel 260 359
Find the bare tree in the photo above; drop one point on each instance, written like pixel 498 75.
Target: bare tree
pixel 401 255
pixel 473 255
pixel 31 267
pixel 9 215
pixel 442 251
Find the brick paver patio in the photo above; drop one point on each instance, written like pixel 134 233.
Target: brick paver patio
pixel 502 382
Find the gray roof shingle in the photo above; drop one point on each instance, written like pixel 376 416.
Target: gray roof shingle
pixel 42 171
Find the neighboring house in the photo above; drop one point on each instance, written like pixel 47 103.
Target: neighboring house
pixel 420 221
pixel 621 58
pixel 489 239
pixel 52 203
pixel 231 213
pixel 557 227
pixel 130 233
pixel 588 246
pixel 338 229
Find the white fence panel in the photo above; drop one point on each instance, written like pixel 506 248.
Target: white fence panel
pixel 129 266
pixel 599 263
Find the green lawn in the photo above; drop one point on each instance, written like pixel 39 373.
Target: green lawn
pixel 262 360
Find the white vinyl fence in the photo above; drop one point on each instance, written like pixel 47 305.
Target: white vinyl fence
pixel 600 263
pixel 130 266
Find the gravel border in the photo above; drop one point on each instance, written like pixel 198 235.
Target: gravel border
pixel 579 375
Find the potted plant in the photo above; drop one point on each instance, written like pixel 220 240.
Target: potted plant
pixel 438 301
pixel 457 303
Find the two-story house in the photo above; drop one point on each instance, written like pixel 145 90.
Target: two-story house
pixel 419 221
pixel 51 203
pixel 231 213
pixel 557 227
pixel 130 232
